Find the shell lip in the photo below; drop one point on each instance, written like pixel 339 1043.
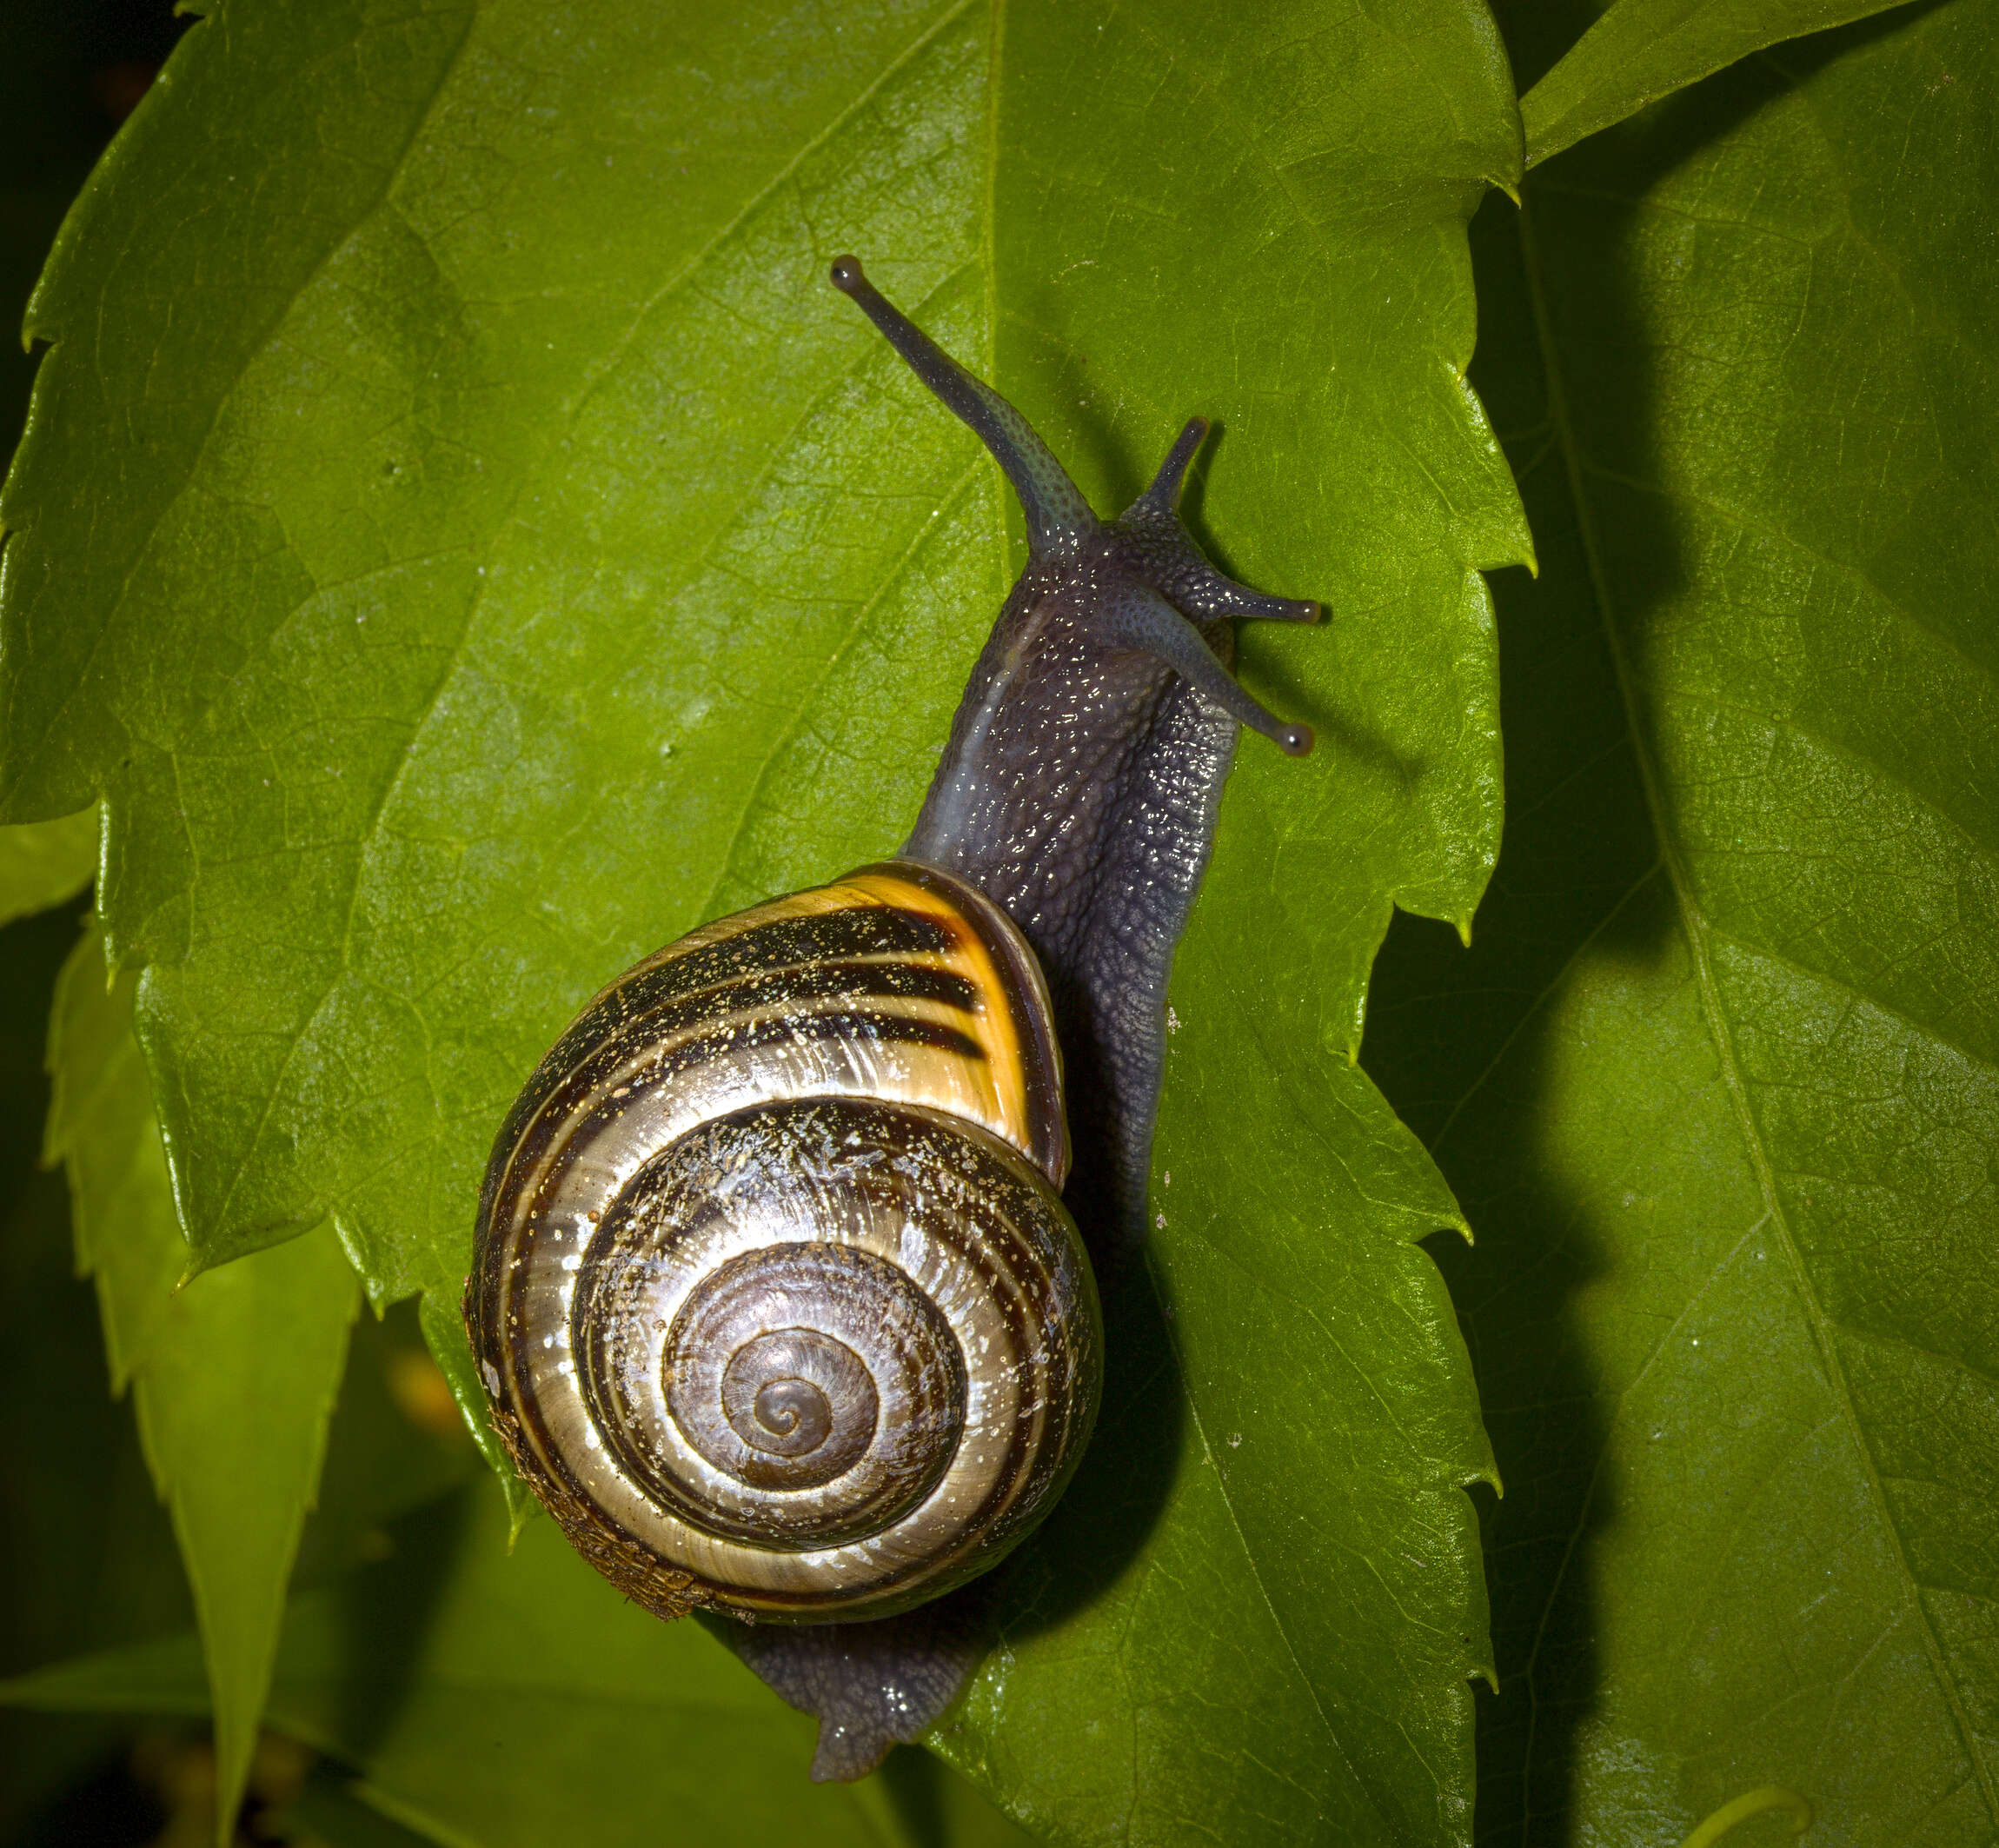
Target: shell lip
pixel 1040 1050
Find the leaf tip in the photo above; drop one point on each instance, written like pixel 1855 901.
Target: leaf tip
pixel 444 1333
pixel 521 1507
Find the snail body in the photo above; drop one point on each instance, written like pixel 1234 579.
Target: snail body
pixel 778 1292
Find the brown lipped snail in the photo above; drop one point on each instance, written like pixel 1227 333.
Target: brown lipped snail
pixel 778 1292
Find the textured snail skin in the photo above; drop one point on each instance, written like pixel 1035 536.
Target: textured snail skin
pixel 1085 762
pixel 641 1249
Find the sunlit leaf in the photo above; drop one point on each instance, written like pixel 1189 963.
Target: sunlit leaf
pixel 510 552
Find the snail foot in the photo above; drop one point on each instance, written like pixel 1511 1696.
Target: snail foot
pixel 871 1686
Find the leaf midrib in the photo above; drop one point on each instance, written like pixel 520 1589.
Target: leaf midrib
pixel 1855 574
pixel 1695 925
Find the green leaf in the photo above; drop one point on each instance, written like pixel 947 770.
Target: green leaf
pixel 506 1699
pixel 43 157
pixel 43 863
pixel 233 1373
pixel 395 1443
pixel 91 1560
pixel 331 1808
pixel 1717 1081
pixel 445 1332
pixel 1275 1601
pixel 1640 50
pixel 533 557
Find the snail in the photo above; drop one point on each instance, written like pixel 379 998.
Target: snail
pixel 782 1288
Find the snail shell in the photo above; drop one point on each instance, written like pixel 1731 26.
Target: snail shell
pixel 774 1293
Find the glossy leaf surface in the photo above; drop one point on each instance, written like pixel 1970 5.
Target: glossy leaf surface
pixel 1716 1082
pixel 527 556
pixel 1640 50
pixel 233 1376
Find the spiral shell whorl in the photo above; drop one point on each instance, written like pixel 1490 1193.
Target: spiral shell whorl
pixel 814 1354
pixel 804 1392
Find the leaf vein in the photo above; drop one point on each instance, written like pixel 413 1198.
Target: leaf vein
pixel 1695 925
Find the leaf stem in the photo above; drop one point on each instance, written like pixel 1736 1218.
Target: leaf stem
pixel 1751 1802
